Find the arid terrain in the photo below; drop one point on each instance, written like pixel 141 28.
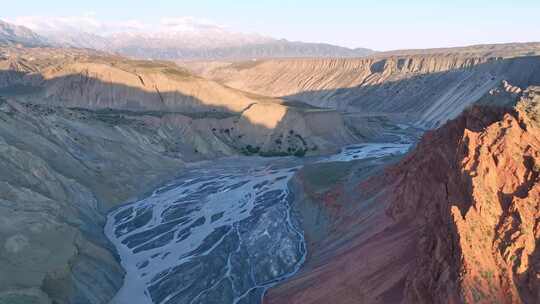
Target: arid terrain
pixel 427 87
pixel 455 221
pixel 399 177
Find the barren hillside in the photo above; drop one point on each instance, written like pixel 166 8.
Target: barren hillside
pixel 96 81
pixel 430 85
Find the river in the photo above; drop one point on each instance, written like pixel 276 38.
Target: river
pixel 222 232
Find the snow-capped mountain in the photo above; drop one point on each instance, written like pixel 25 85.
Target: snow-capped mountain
pixel 184 38
pixel 11 34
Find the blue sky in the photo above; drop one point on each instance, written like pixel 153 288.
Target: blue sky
pixel 381 25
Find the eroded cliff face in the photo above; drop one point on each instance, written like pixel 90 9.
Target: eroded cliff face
pixel 473 187
pixel 455 221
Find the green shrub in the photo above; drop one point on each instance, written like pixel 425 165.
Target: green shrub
pixel 250 150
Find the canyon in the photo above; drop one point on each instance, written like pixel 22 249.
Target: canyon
pixel 399 177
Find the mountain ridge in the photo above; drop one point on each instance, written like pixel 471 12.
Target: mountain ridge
pixel 11 34
pixel 432 86
pixel 202 42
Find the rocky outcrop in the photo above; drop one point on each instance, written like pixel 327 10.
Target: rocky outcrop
pixel 473 188
pixel 283 130
pixel 455 221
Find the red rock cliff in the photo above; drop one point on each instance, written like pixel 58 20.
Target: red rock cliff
pixel 455 221
pixel 473 188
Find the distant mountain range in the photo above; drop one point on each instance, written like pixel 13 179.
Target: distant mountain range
pixel 269 49
pixel 11 34
pixel 178 39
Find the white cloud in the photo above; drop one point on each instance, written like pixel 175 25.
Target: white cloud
pixel 61 24
pixel 188 24
pixel 133 25
pixel 89 23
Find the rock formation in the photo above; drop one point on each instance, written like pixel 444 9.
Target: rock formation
pixel 455 221
pixel 477 206
pixel 61 170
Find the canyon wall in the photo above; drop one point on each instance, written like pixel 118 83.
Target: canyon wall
pixel 455 221
pixel 425 88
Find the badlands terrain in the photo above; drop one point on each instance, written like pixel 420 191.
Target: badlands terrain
pixel 401 177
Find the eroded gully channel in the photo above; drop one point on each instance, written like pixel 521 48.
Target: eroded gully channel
pixel 222 232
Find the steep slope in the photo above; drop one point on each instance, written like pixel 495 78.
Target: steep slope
pixel 505 50
pixel 11 34
pixel 455 221
pixel 242 122
pixel 487 192
pixel 61 169
pixel 93 80
pixel 430 86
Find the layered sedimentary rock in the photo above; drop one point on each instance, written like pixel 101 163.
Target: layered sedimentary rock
pixel 428 87
pixel 83 131
pixel 455 221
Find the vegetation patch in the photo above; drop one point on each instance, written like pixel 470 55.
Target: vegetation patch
pixel 250 150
